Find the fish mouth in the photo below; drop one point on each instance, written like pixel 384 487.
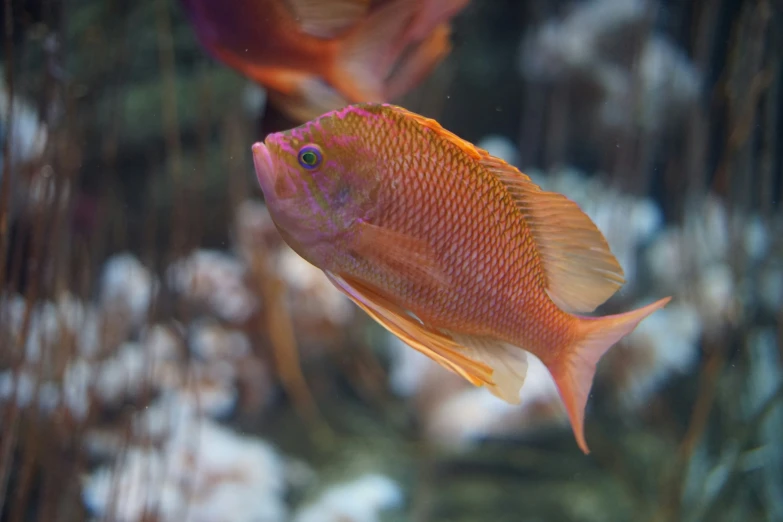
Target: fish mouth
pixel 265 171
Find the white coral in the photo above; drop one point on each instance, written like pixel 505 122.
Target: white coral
pixel 314 296
pixel 217 280
pixel 202 469
pixel 663 345
pixel 591 45
pixel 127 287
pixel 360 500
pixel 474 413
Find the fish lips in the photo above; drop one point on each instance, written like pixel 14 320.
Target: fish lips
pixel 265 169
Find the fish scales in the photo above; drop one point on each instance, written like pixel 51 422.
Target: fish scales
pixel 454 251
pixel 425 194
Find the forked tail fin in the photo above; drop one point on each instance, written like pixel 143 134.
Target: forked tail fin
pixel 574 370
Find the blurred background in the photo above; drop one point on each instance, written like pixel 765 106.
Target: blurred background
pixel 165 357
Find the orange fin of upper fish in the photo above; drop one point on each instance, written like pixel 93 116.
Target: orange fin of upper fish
pixel 420 62
pixel 368 53
pixel 502 368
pixel 580 269
pixel 286 81
pixel 431 13
pixel 309 98
pixel 399 254
pixel 574 370
pixel 327 19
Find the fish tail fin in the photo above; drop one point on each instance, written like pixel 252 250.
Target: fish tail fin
pixel 573 371
pixel 366 56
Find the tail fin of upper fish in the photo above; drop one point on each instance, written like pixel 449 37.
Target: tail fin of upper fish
pixel 574 370
pixel 367 54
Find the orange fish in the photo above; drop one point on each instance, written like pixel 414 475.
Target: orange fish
pixel 453 250
pixel 319 55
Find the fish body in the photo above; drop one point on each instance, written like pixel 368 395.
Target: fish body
pixel 318 55
pixel 455 251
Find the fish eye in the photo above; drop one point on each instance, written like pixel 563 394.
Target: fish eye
pixel 310 157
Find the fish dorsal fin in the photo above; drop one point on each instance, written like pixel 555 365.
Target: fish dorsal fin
pixel 428 123
pixel 326 19
pixel 482 361
pixel 581 271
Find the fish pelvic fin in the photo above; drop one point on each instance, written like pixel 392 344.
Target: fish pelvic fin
pixel 574 367
pixel 482 361
pixel 367 54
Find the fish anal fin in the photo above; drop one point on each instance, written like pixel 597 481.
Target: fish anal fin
pixel 482 361
pixel 574 371
pixel 433 344
pixel 403 256
pixel 327 19
pixel 581 271
pixel 509 364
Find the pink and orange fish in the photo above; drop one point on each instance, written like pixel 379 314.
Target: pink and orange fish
pixel 318 55
pixel 455 251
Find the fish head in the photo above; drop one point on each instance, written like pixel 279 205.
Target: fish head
pixel 318 180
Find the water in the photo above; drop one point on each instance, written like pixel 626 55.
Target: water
pixel 167 357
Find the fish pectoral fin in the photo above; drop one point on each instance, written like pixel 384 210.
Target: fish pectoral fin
pixel 326 19
pixel 483 362
pixel 402 256
pixel 581 271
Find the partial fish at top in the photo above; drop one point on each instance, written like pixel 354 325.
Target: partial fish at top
pixel 318 55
